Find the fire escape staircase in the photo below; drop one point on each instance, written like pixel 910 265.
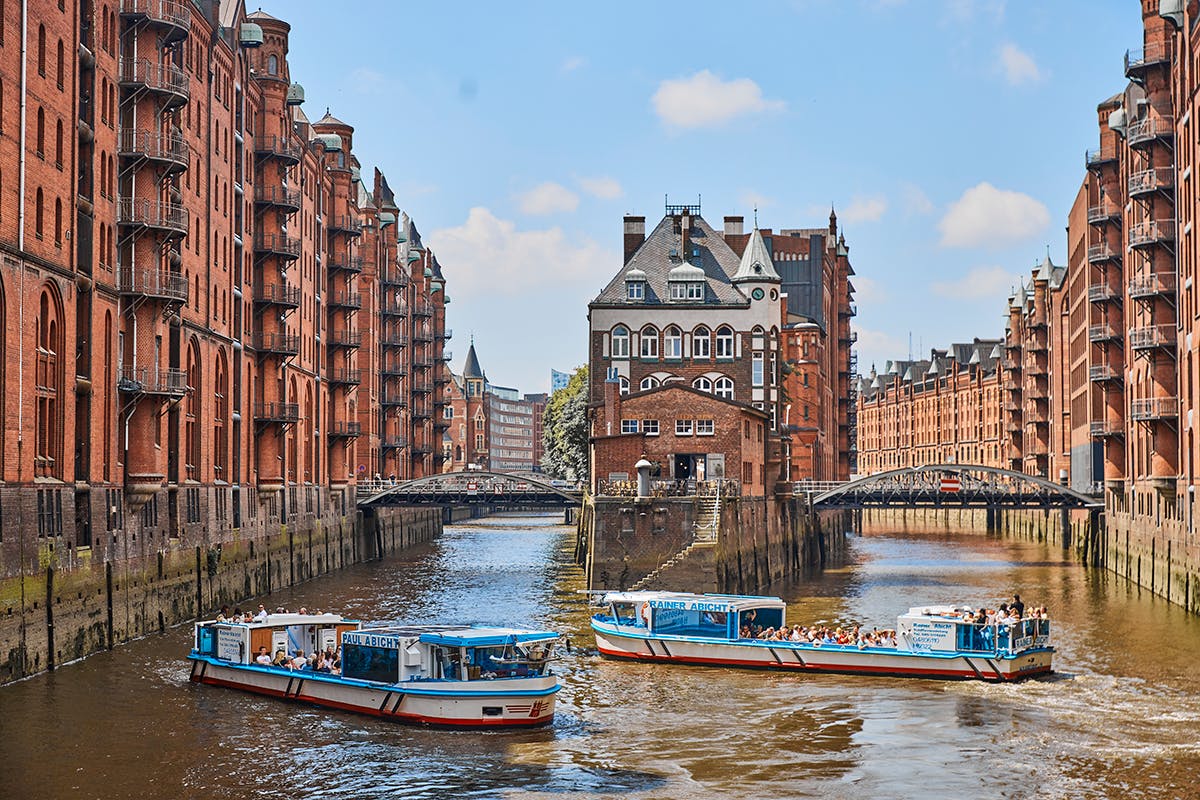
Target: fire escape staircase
pixel 706 532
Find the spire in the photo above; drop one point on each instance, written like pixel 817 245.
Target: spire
pixel 756 262
pixel 472 369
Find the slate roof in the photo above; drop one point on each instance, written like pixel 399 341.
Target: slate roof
pixel 330 119
pixel 472 369
pixel 707 250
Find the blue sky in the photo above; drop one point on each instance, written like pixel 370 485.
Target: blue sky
pixel 949 134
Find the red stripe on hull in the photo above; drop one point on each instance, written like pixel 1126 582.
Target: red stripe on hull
pixel 809 666
pixel 449 722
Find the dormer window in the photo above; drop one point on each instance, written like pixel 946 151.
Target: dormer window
pixel 635 290
pixel 695 291
pixel 678 291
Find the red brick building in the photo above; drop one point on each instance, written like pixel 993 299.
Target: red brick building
pixel 209 316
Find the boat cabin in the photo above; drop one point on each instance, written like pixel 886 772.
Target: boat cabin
pixel 942 629
pixel 683 614
pixel 416 652
pixel 239 642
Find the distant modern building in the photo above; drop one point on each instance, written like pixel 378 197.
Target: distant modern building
pixel 558 380
pixel 487 426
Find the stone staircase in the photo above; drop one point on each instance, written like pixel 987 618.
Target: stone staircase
pixel 705 534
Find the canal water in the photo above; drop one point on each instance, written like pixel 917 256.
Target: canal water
pixel 1120 719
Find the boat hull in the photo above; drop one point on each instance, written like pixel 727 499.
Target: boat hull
pixel 797 657
pixel 524 702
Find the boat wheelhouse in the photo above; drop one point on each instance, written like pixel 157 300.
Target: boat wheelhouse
pixel 469 676
pixel 720 630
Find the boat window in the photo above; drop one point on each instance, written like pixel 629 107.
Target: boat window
pixel 371 663
pixel 979 638
pixel 691 622
pixel 505 662
pixel 206 641
pixel 624 613
pixel 759 619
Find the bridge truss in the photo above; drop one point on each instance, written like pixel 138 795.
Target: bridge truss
pixel 473 487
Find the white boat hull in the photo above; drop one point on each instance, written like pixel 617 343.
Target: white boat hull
pixel 477 703
pixel 637 643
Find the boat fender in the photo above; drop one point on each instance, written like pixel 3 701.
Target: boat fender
pixel 645 613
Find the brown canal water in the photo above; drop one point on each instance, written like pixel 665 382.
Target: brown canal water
pixel 1120 719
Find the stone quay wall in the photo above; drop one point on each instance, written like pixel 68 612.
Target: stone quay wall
pixel 56 611
pixel 622 540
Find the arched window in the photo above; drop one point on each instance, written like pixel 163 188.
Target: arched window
pixel 58 225
pixel 620 342
pixel 724 342
pixel 293 436
pixel 479 422
pixel 649 342
pixel 42 50
pixel 58 144
pixel 701 342
pixel 723 387
pixel 648 382
pixel 40 139
pixel 310 444
pixel 703 384
pixel 672 342
pixel 38 212
pixel 220 436
pixel 60 64
pixel 458 452
pixel 623 383
pixel 192 413
pixel 272 64
pixel 47 460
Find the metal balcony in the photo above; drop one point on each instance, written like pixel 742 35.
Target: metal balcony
pixel 152 381
pixel 1104 156
pixel 1099 253
pixel 422 412
pixel 277 413
pixel 153 214
pixel 422 387
pixel 170 17
pixel 1153 337
pixel 1137 62
pixel 1104 428
pixel 285 344
pixel 393 308
pixel 422 362
pixel 1152 232
pixel 848 310
pixel 1103 373
pixel 344 223
pixel 1035 370
pixel 1153 285
pixel 419 450
pixel 345 377
pixel 1144 132
pixel 393 370
pixel 393 398
pixel 1153 409
pixel 1103 333
pixel 393 443
pixel 422 308
pixel 158 284
pixel 277 244
pixel 277 197
pixel 167 81
pixel 393 340
pixel 395 276
pixel 345 263
pixel 449 334
pixel 1148 181
pixel 171 152
pixel 1102 293
pixel 1012 406
pixel 277 294
pixel 280 147
pixel 422 336
pixel 346 339
pixel 1036 416
pixel 345 430
pixel 344 299
pixel 1102 213
pixel 446 356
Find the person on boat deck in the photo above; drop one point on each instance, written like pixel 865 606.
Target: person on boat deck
pixel 299 662
pixel 223 614
pixel 263 657
pixel 280 659
pixel 261 616
pixel 1018 606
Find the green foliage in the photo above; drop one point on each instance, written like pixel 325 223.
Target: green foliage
pixel 565 430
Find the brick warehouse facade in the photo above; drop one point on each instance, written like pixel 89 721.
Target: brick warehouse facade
pixel 761 319
pixel 212 323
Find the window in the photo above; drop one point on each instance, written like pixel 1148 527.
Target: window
pixel 695 291
pixel 58 144
pixel 479 423
pixel 60 65
pixel 273 64
pixel 650 427
pixel 58 222
pixel 629 426
pixel 635 290
pixel 38 212
pixel 649 342
pixel 705 427
pixel 623 382
pixel 479 441
pixel 678 291
pixel 672 343
pixel 724 342
pixel 703 384
pixel 723 388
pixel 42 50
pixel 620 342
pixel 701 342
pixel 40 141
pixel 648 382
pixel 683 427
pixel 756 370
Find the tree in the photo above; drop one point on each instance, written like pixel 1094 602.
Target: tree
pixel 565 430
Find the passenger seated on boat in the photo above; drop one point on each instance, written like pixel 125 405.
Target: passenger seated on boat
pixel 280 659
pixel 223 614
pixel 264 657
pixel 299 661
pixel 261 616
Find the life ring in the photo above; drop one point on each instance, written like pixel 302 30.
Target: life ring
pixel 645 613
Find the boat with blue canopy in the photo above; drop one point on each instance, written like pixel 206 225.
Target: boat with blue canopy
pixel 444 675
pixel 935 641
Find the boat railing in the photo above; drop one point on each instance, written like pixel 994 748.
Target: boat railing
pixel 998 638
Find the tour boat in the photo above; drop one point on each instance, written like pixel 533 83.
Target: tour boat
pixel 709 629
pixel 456 676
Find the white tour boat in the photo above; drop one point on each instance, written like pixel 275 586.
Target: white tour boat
pixel 428 674
pixel 712 629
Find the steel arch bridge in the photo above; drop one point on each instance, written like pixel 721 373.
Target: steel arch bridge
pixel 474 487
pixel 952 486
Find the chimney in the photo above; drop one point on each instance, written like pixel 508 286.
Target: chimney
pixel 733 226
pixel 612 405
pixel 685 232
pixel 635 234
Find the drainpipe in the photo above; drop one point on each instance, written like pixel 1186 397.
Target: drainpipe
pixel 21 237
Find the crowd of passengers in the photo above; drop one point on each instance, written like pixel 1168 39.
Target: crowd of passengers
pixel 854 636
pixel 328 661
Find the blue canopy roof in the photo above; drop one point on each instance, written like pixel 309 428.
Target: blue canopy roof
pixel 485 637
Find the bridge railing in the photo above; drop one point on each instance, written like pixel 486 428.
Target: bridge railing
pixel 671 488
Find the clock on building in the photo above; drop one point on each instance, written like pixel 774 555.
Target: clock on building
pixel 757 294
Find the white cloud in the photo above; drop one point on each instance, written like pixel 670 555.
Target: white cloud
pixel 979 283
pixel 1018 66
pixel 877 348
pixel 365 80
pixel 548 198
pixel 488 256
pixel 752 199
pixel 987 216
pixel 573 63
pixel 864 209
pixel 915 200
pixel 868 291
pixel 704 100
pixel 604 188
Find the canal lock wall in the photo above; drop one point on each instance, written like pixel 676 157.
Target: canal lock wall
pixel 1154 554
pixel 58 604
pixel 654 543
